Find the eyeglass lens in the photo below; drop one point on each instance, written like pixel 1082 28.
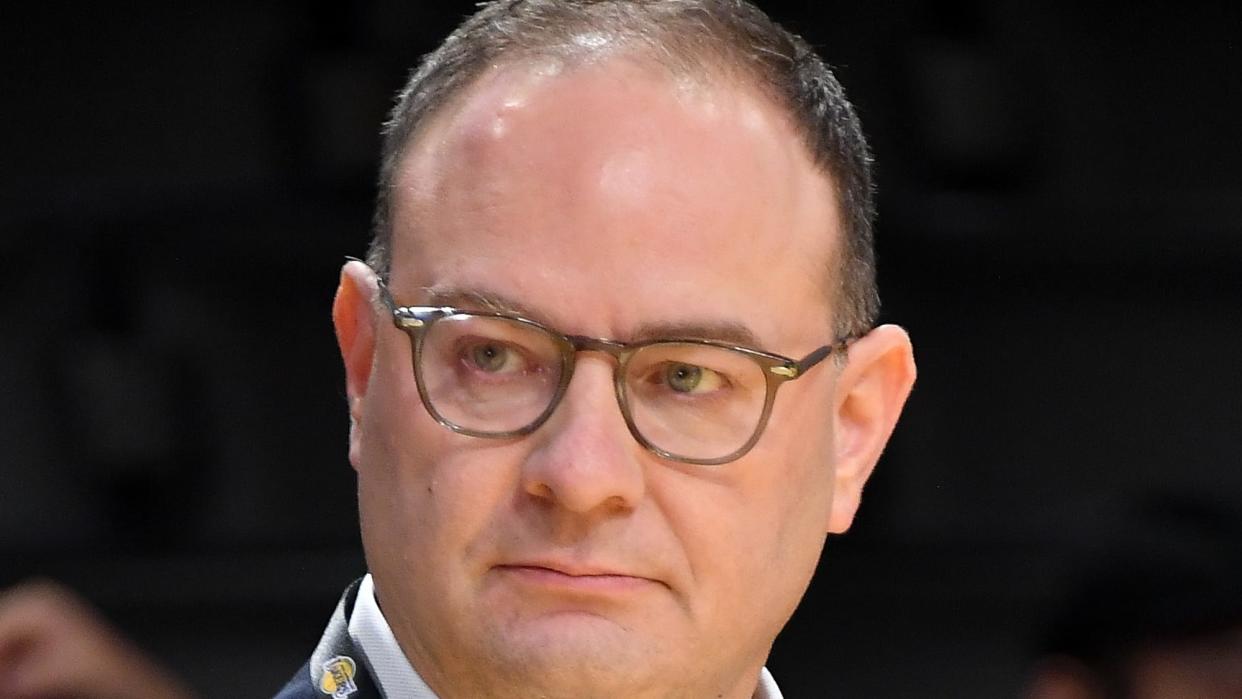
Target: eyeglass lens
pixel 498 375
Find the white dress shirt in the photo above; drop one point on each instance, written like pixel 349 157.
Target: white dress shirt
pixel 393 673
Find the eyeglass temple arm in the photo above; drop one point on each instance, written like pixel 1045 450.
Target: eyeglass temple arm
pixel 391 304
pixel 795 369
pixel 817 356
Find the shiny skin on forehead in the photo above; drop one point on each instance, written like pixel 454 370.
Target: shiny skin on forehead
pixel 604 177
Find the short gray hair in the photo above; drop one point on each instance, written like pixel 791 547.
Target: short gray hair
pixel 708 35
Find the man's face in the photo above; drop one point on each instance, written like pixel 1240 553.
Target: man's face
pixel 612 201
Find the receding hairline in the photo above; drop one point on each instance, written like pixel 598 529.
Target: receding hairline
pixel 695 38
pixel 682 73
pixel 709 67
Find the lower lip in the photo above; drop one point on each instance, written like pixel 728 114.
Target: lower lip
pixel 584 584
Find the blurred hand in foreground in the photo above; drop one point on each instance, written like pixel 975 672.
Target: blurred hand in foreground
pixel 53 645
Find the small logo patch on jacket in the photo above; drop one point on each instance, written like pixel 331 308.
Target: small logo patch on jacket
pixel 337 679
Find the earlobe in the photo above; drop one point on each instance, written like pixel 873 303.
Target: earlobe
pixel 871 390
pixel 353 316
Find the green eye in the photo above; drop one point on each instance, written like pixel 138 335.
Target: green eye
pixel 491 357
pixel 688 378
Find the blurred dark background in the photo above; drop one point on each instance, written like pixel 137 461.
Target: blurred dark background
pixel 1060 231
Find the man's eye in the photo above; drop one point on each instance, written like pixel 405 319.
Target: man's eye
pixel 689 378
pixel 493 358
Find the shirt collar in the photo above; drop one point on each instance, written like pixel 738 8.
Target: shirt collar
pixel 371 633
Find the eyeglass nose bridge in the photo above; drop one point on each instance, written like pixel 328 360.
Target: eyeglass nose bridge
pixel 582 343
pixel 619 351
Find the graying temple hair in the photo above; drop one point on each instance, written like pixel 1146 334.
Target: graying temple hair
pixel 730 37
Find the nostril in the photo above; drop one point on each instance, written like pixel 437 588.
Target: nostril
pixel 539 489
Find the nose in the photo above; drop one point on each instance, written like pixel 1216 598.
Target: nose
pixel 585 460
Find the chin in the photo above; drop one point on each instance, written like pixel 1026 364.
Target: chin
pixel 578 656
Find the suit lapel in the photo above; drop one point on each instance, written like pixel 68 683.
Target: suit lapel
pixel 337 668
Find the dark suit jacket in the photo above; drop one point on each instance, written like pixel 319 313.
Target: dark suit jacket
pixel 336 663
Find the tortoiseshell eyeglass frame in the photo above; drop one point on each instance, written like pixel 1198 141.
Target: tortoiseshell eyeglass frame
pixel 415 321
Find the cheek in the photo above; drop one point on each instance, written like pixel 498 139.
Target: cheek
pixel 425 493
pixel 777 519
pixel 802 450
pixel 754 532
pixel 806 489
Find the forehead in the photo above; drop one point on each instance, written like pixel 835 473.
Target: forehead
pixel 619 183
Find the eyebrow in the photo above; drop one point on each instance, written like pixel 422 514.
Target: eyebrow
pixel 479 301
pixel 731 332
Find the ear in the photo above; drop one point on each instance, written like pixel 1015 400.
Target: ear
pixel 353 315
pixel 871 390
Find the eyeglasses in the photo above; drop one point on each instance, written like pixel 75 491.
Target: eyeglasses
pixel 498 375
